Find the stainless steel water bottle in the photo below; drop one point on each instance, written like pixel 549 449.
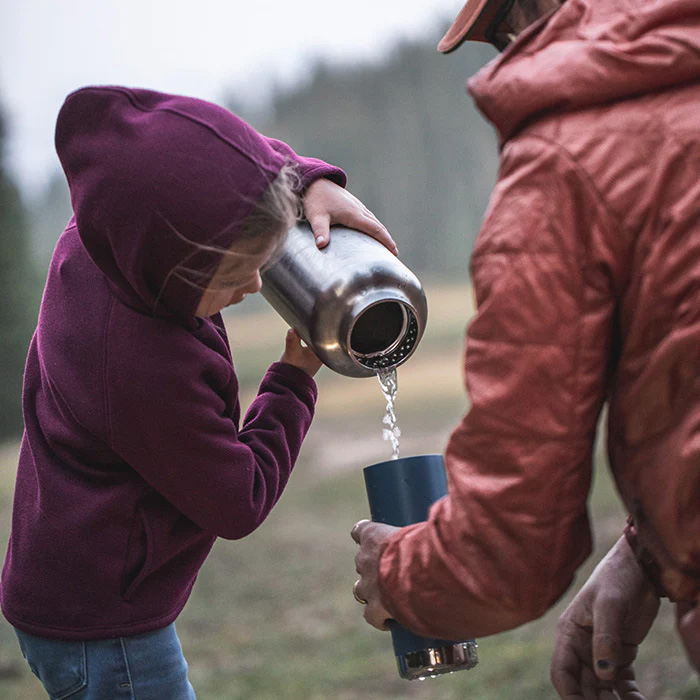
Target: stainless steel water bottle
pixel 400 492
pixel 354 303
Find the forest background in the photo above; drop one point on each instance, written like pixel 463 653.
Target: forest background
pixel 272 616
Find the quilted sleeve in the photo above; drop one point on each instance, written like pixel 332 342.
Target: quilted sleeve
pixel 504 544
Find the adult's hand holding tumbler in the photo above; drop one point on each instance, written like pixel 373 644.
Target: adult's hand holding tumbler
pixel 371 538
pixel 400 492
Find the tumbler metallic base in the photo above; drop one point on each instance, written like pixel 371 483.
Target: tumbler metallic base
pixel 428 663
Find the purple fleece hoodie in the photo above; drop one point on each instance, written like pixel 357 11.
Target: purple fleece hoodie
pixel 133 460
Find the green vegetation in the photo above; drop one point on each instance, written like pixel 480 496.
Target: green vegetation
pixel 415 149
pixel 18 291
pixel 273 616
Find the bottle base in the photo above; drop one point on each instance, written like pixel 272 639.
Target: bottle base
pixel 437 661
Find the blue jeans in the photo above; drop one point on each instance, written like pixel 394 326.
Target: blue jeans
pixel 147 666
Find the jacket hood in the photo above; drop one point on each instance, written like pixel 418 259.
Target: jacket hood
pixel 590 52
pixel 153 177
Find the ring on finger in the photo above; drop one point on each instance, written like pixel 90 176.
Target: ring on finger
pixel 356 595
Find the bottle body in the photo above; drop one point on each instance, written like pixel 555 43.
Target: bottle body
pixel 400 492
pixel 354 303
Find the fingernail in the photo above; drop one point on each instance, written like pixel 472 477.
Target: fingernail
pixel 602 664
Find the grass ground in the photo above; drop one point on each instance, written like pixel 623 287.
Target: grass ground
pixel 272 616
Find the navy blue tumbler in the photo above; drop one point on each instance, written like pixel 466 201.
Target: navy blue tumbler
pixel 400 492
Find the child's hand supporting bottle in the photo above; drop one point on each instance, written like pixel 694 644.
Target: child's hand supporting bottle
pixel 300 356
pixel 326 203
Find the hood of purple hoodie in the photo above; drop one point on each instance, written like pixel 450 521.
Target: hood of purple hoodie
pixel 590 52
pixel 153 177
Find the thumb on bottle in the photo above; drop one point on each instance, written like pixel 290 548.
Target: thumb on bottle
pixel 320 225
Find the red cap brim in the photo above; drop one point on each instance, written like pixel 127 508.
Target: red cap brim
pixel 471 24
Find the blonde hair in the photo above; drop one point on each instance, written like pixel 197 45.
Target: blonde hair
pixel 273 214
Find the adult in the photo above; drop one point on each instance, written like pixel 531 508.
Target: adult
pixel 587 278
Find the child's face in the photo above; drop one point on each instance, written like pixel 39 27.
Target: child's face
pixel 231 284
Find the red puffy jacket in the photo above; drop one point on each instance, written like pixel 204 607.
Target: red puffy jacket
pixel 587 278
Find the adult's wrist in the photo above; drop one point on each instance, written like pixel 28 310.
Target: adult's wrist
pixel 647 563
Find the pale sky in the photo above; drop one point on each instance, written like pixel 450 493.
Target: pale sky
pixel 200 48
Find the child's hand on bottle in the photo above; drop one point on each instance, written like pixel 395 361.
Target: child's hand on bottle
pixel 298 355
pixel 326 203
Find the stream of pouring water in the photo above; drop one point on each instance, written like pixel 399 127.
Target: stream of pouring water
pixel 388 380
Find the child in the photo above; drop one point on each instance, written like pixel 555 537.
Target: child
pixel 132 461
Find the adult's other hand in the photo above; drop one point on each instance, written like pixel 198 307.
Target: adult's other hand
pixel 371 538
pixel 688 621
pixel 598 634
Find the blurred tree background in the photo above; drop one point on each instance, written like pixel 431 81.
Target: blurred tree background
pixel 19 292
pixel 415 149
